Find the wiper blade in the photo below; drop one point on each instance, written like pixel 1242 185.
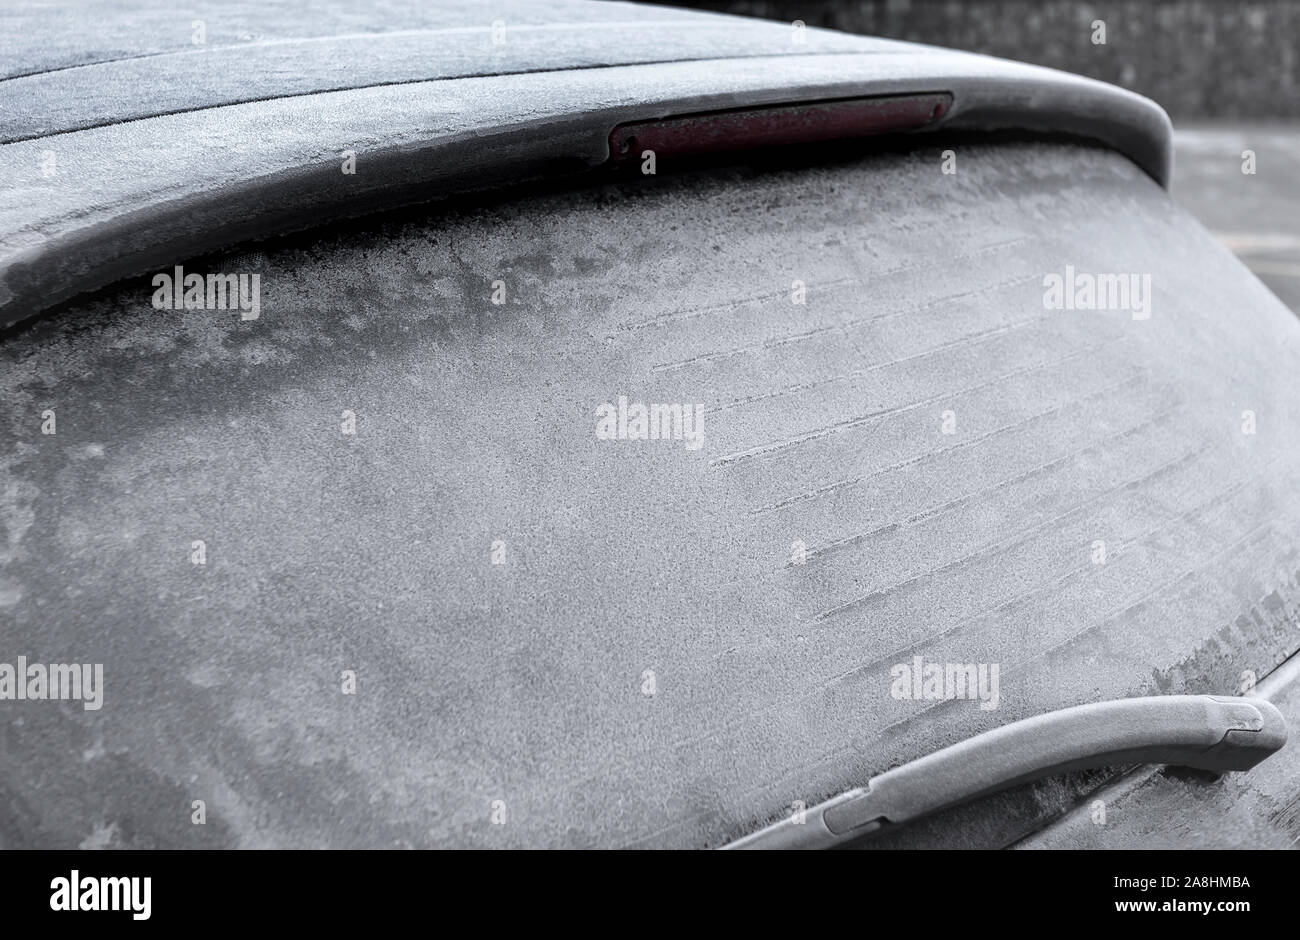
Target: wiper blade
pixel 1207 732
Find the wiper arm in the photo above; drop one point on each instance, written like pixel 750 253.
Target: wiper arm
pixel 1208 732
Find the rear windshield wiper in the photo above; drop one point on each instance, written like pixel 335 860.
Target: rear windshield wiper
pixel 1207 732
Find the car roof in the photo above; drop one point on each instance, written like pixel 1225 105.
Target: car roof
pixel 134 145
pixel 142 74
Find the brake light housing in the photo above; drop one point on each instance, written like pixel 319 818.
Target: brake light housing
pixel 772 126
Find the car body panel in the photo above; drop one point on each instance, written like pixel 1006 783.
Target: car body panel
pixel 113 161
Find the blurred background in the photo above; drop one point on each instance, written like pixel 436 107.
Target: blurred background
pixel 1227 71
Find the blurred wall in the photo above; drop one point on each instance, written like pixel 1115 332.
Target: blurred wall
pixel 1198 58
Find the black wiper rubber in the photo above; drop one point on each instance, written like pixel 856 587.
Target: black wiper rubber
pixel 1207 732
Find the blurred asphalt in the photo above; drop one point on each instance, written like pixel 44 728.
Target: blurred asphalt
pixel 1256 216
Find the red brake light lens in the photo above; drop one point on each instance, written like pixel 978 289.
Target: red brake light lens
pixel 776 126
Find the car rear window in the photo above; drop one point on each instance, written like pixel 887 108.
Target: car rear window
pixel 624 506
